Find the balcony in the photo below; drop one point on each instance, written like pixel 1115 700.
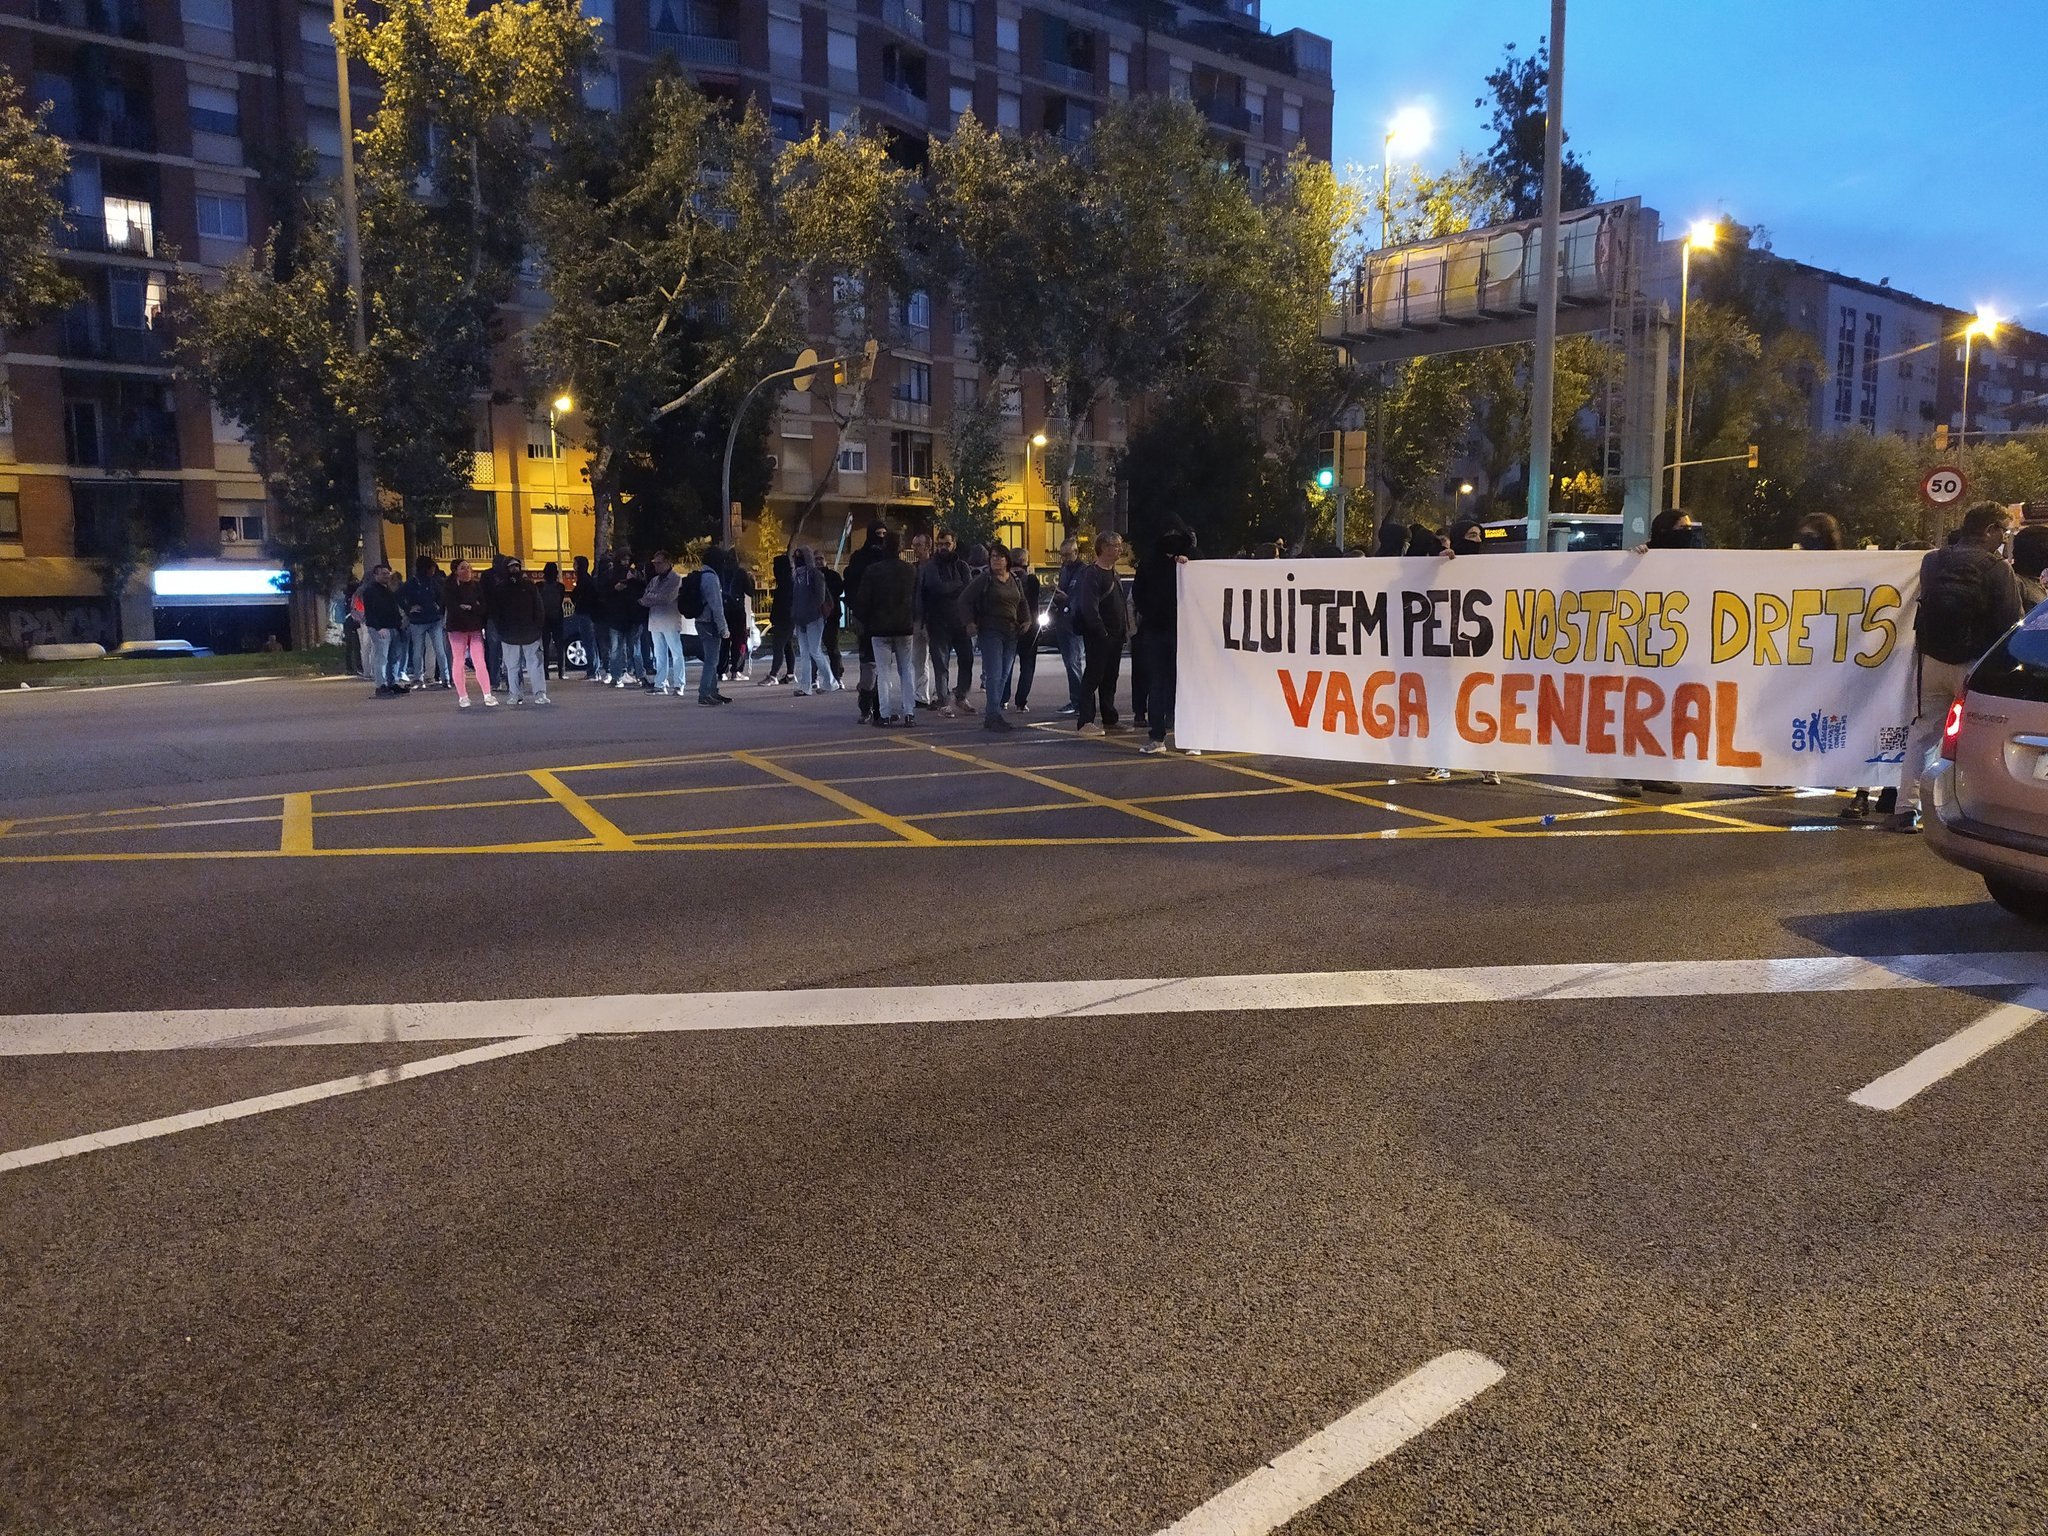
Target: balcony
pixel 686 31
pixel 1226 114
pixel 910 413
pixel 122 237
pixel 1067 76
pixel 906 102
pixel 90 338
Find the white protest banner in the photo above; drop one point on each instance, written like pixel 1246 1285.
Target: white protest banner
pixel 1716 666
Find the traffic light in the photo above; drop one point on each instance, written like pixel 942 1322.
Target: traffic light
pixel 1328 448
pixel 1351 459
pixel 1941 437
pixel 856 370
pixel 1752 455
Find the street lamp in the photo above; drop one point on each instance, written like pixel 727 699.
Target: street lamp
pixel 1985 324
pixel 561 405
pixel 1699 238
pixel 1035 440
pixel 1407 136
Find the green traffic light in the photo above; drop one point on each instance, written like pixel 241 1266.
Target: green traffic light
pixel 1325 478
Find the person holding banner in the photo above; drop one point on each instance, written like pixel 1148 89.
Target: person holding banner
pixel 1102 617
pixel 1155 594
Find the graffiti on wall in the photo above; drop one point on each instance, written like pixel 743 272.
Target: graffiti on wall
pixel 46 621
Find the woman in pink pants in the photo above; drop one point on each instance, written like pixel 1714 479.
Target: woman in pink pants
pixel 465 607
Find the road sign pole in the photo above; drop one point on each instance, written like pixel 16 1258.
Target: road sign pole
pixel 1543 391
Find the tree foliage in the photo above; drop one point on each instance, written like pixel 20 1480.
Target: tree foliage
pixel 967 483
pixel 32 165
pixel 1517 94
pixel 682 248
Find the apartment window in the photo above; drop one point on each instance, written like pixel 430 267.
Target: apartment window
pixel 966 389
pixel 214 109
pixel 914 382
pixel 138 299
pixel 1180 80
pixel 961 101
pixel 1119 70
pixel 130 225
pixel 837 118
pixel 1006 34
pixel 917 311
pixel 241 528
pixel 209 13
pixel 82 434
pixel 1255 107
pixel 1290 118
pixel 1845 366
pixel 1009 111
pixel 960 17
pixel 853 458
pixel 842 51
pixel 223 217
pixel 10 517
pixel 786 40
pixel 1873 341
pixel 787 121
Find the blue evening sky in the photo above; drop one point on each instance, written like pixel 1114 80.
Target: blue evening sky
pixel 1881 138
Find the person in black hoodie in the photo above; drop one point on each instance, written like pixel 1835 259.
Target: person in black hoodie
pixel 887 605
pixel 425 626
pixel 1155 594
pixel 628 620
pixel 383 620
pixel 939 587
pixel 521 616
pixel 782 658
pixel 1027 643
pixel 1102 615
pixel 873 548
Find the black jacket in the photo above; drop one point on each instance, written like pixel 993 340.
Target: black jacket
pixel 380 607
pixel 1098 607
pixel 516 608
pixel 940 583
pixel 888 598
pixel 466 607
pixel 421 599
pixel 1155 593
pixel 857 567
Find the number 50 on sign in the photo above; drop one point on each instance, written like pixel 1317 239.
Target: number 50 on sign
pixel 1943 486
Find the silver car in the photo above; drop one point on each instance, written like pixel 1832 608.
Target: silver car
pixel 1985 799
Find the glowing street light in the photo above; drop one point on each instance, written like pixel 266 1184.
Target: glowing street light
pixel 1984 324
pixel 1699 238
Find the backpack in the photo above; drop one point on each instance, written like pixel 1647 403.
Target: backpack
pixel 1954 621
pixel 690 597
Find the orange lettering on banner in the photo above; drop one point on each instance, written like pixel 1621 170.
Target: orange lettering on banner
pixel 1480 727
pixel 1337 704
pixel 1514 687
pixel 1414 705
pixel 1643 701
pixel 1600 716
pixel 1558 715
pixel 1300 705
pixel 1691 713
pixel 1725 753
pixel 1379 718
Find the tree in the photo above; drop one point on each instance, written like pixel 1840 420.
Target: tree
pixel 1195 460
pixel 967 486
pixel 1517 93
pixel 445 167
pixel 1100 266
pixel 682 248
pixel 269 343
pixel 32 165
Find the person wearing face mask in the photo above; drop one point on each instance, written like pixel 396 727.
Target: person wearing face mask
pixel 2029 561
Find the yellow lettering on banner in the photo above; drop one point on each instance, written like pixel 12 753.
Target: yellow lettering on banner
pixel 1805 609
pixel 1771 618
pixel 1885 600
pixel 1625 631
pixel 1566 650
pixel 1842 605
pixel 1675 603
pixel 1598 606
pixel 1515 621
pixel 1731 627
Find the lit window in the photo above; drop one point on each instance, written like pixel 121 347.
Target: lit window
pixel 130 225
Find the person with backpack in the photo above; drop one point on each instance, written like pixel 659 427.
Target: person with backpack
pixel 809 598
pixel 997 614
pixel 702 600
pixel 887 605
pixel 1968 598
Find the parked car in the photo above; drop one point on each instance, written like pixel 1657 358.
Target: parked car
pixel 157 650
pixel 1985 798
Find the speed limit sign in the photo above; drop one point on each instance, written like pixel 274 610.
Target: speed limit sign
pixel 1943 486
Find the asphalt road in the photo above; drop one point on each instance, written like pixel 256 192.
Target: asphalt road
pixel 970 1268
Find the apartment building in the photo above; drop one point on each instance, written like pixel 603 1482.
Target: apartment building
pixel 170 107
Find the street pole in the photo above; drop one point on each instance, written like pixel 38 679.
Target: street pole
pixel 1543 393
pixel 555 477
pixel 732 438
pixel 369 520
pixel 1969 335
pixel 1678 425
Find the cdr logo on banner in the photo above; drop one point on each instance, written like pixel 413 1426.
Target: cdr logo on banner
pixel 1747 667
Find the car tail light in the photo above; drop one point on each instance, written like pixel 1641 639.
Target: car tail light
pixel 1952 730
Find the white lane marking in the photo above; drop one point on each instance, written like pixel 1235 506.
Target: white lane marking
pixel 84 688
pixel 1952 1054
pixel 236 682
pixel 31 1034
pixel 171 1125
pixel 1330 1458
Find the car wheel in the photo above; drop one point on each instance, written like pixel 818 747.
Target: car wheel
pixel 2020 900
